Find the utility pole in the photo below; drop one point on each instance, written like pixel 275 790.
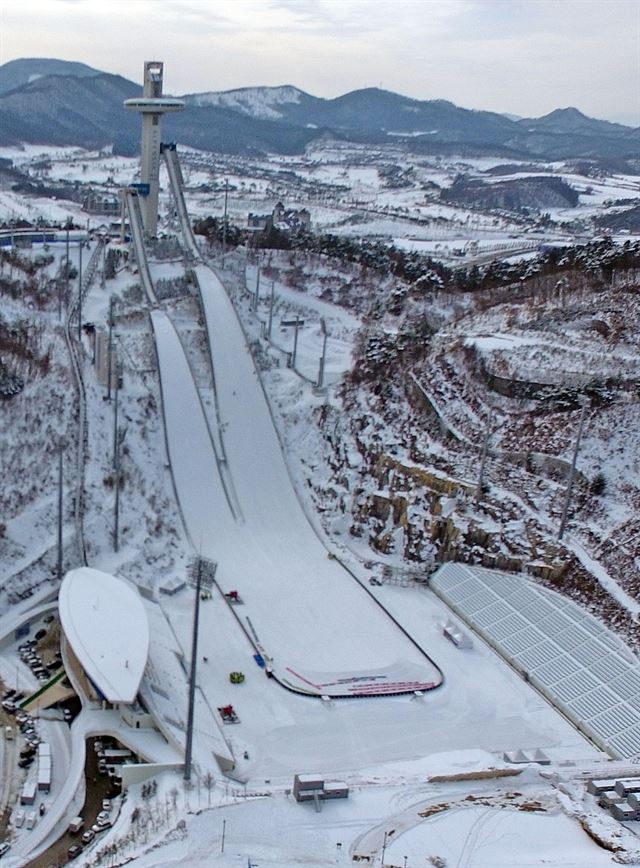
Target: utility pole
pixel 224 827
pixel 384 848
pixel 66 256
pixel 295 342
pixel 224 219
pixel 256 297
pixel 109 348
pixel 60 516
pixel 271 309
pixel 192 676
pixel 572 473
pixel 116 517
pixel 202 572
pixel 80 295
pixel 483 461
pixel 103 277
pixel 115 413
pixel 324 354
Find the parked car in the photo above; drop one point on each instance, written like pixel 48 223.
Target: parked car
pixel 106 805
pixel 40 635
pixel 102 817
pixel 74 851
pixel 4 847
pixel 48 619
pixel 88 836
pixel 101 827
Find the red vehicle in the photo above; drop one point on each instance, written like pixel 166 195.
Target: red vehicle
pixel 228 714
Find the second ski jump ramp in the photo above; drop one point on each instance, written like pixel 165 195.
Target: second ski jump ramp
pixel 177 184
pixel 322 633
pixel 137 235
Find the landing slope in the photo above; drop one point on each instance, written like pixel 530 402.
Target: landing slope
pixel 324 633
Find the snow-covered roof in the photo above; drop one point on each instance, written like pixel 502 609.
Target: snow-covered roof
pixel 106 625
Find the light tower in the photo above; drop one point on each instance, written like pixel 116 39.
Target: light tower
pixel 151 105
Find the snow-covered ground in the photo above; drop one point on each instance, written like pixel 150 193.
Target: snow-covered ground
pixel 302 609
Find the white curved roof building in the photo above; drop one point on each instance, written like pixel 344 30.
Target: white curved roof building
pixel 105 623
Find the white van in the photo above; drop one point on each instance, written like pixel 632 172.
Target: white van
pixel 18 820
pixel 31 820
pixel 75 825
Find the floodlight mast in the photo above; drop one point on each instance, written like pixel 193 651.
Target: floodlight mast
pixel 201 576
pixel 151 105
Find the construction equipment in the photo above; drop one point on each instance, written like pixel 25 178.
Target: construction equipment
pixel 233 597
pixel 228 714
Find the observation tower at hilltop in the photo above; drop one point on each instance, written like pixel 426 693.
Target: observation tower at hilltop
pixel 151 105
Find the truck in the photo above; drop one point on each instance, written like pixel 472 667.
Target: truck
pixel 28 794
pixel 75 825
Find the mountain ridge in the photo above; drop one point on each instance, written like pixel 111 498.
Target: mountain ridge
pixel 62 102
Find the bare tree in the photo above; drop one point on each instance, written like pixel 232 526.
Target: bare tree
pixel 208 780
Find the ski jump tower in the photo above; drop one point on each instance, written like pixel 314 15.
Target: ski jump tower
pixel 151 105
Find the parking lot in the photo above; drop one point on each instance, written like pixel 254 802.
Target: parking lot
pixel 100 789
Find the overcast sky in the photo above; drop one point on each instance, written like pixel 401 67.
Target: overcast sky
pixel 525 57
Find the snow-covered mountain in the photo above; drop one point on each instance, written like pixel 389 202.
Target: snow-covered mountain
pixel 55 102
pixel 17 73
pixel 257 102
